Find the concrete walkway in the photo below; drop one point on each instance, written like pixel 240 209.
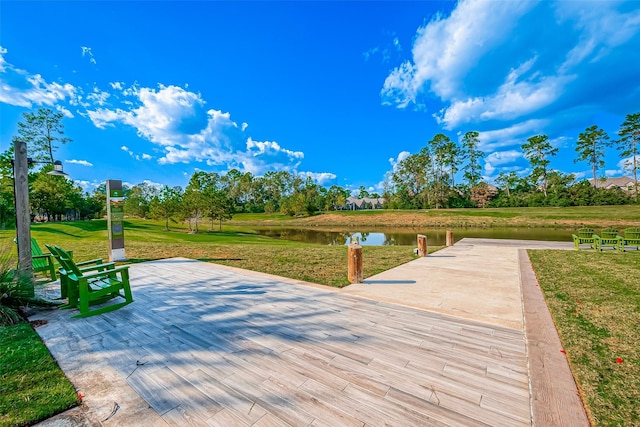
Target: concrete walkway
pixel 476 279
pixel 438 341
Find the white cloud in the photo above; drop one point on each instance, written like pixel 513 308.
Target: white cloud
pixel 496 63
pixel 401 156
pixel 625 165
pixel 510 135
pixel 86 51
pixel 117 85
pixel 500 158
pixel 257 148
pixel 447 49
pixel 79 162
pixel 176 121
pixel 21 89
pixel 98 96
pixel 320 177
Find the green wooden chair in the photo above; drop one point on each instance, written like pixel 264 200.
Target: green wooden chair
pixel 631 238
pixel 41 261
pixel 95 286
pixel 583 236
pixel 608 238
pixel 92 264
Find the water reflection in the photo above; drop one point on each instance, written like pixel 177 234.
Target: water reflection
pixel 395 237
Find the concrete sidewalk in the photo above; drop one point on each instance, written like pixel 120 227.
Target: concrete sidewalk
pixel 476 279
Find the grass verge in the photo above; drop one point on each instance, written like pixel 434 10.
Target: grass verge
pixel 594 299
pixel 32 386
pixel 569 217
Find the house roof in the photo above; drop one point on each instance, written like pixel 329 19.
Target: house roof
pixel 621 182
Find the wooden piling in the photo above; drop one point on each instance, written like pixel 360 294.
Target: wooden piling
pixel 449 238
pixel 422 245
pixel 355 263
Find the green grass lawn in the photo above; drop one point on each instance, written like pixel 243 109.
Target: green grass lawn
pixel 32 386
pixel 567 217
pixel 595 302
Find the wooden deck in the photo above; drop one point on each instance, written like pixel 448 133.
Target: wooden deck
pixel 208 346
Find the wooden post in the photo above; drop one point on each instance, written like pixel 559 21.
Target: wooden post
pixel 23 213
pixel 449 238
pixel 355 264
pixel 422 245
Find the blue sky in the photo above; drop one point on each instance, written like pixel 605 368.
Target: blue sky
pixel 339 91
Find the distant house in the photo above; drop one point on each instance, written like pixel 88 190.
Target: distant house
pixel 355 204
pixel 624 183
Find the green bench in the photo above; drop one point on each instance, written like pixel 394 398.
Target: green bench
pixel 584 236
pixel 608 238
pixel 94 285
pixel 631 238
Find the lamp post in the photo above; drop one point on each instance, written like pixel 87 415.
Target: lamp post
pixel 21 191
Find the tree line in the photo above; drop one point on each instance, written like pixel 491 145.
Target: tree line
pixel 423 180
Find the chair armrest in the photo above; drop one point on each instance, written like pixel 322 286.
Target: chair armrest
pixel 103 273
pixel 42 256
pixel 101 267
pixel 91 261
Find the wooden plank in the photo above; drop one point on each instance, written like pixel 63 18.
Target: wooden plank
pixel 315 407
pixel 555 396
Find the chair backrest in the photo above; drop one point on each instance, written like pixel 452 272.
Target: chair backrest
pixel 67 262
pixel 37 263
pixel 53 251
pixel 35 247
pixel 609 233
pixel 585 232
pixel 632 233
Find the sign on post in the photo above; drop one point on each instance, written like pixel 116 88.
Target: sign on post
pixel 115 219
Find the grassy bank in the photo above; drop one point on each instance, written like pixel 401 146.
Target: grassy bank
pixel 32 386
pixel 595 302
pixel 146 240
pixel 570 217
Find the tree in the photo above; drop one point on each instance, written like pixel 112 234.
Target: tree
pixel 590 147
pixel 411 178
pixel 538 150
pixel 629 144
pixel 507 181
pixel 166 204
pixel 193 198
pixel 40 131
pixel 471 153
pixel 138 198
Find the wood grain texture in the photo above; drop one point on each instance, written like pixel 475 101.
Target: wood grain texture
pixel 209 346
pixel 555 397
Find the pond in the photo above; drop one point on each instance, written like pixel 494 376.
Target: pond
pixel 391 237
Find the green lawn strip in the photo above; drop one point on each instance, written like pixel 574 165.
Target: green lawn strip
pixel 594 299
pixel 240 247
pixel 575 216
pixel 32 386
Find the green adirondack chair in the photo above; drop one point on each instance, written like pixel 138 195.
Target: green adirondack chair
pixel 608 238
pixel 91 287
pixel 41 261
pixel 583 236
pixel 631 238
pixel 92 264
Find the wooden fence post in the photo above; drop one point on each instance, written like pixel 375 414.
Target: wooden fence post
pixel 422 245
pixel 449 238
pixel 355 264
